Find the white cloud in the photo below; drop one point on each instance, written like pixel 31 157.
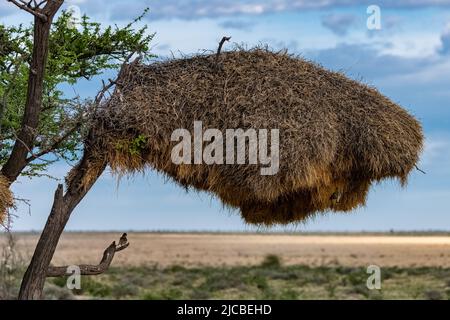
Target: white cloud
pixel 411 44
pixel 170 9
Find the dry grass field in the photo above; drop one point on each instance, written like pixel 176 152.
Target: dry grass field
pixel 248 266
pixel 210 249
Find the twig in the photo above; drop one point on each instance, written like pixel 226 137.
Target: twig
pixel 418 169
pixel 90 270
pixel 219 49
pixel 27 203
pixel 24 6
pixel 55 144
pixel 22 142
pixel 105 87
pixel 101 93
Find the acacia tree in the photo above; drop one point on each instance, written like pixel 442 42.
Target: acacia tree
pixel 39 124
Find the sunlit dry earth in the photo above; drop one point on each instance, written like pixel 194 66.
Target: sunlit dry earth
pixel 197 249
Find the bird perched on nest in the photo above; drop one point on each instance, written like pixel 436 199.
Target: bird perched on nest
pixel 123 240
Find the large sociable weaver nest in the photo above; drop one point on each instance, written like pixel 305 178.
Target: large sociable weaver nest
pixel 337 136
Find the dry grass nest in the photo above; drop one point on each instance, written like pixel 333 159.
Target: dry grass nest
pixel 337 136
pixel 6 198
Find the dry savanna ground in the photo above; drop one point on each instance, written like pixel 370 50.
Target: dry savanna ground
pixel 210 249
pixel 269 266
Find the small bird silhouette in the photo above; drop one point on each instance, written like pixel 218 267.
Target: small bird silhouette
pixel 123 240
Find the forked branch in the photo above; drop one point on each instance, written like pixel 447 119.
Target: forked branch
pixel 26 6
pixel 90 270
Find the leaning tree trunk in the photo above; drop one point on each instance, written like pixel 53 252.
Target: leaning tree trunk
pixel 34 279
pixel 17 161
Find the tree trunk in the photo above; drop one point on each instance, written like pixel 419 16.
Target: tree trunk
pixel 34 279
pixel 25 140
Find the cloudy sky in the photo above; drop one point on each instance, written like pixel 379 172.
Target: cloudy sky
pixel 408 59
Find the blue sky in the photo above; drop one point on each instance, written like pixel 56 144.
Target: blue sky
pixel 408 60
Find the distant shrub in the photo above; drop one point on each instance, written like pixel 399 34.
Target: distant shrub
pixel 94 288
pixel 271 261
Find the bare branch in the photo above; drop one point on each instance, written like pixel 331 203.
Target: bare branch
pixel 219 49
pixel 420 170
pixel 27 7
pixel 27 202
pixel 21 141
pixel 216 64
pixel 106 87
pixel 101 93
pixel 89 270
pixel 40 3
pixel 56 143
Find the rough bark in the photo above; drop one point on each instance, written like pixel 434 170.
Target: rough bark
pixel 63 205
pixel 25 139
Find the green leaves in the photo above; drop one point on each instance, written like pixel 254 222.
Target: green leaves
pixel 88 50
pixel 132 147
pixel 76 51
